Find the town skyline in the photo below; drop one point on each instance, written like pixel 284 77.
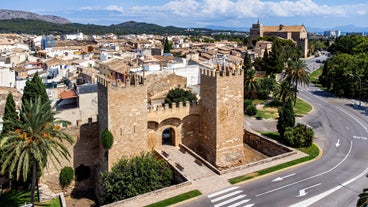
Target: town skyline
pixel 202 13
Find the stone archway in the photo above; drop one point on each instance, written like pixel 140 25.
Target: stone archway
pixel 168 136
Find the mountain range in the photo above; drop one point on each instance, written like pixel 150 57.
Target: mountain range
pixel 12 14
pixel 61 25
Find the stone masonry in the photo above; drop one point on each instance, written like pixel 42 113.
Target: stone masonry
pixel 212 128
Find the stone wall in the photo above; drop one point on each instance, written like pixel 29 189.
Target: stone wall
pixel 262 144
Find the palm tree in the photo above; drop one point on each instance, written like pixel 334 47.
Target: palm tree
pixel 296 73
pixel 250 84
pixel 285 91
pixel 37 138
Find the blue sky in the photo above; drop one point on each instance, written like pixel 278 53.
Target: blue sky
pixel 200 13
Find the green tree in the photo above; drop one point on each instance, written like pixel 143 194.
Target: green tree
pixel 131 177
pixel 325 77
pixel 247 63
pixel 249 108
pixel 107 139
pixel 286 118
pixel 299 136
pixel 10 116
pixel 250 85
pixel 33 89
pixel 37 138
pixel 285 92
pixel 167 45
pixel 276 64
pixel 266 62
pixel 180 95
pixel 296 73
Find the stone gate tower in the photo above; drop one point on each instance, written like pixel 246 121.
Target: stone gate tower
pixel 122 108
pixel 222 117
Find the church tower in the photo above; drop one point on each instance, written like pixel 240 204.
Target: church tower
pixel 256 31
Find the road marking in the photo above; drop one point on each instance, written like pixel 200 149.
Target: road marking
pixel 249 205
pixel 226 196
pixel 314 176
pixel 338 143
pixel 358 137
pixel 347 128
pixel 282 178
pixel 303 192
pixel 223 191
pixel 229 201
pixel 240 202
pixel 359 122
pixel 316 198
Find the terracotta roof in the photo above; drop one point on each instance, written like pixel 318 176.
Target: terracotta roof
pixel 68 94
pixel 283 28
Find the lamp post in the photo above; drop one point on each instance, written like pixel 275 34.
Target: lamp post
pixel 360 85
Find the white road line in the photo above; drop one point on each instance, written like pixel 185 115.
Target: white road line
pixel 229 201
pixel 249 205
pixel 316 198
pixel 359 122
pixel 226 196
pixel 314 176
pixel 223 191
pixel 239 203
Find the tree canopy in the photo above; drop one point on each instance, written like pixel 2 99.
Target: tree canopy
pixel 180 95
pixel 36 140
pixel 10 116
pixel 131 177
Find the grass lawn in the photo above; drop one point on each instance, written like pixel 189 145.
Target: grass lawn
pixel 315 75
pixel 312 151
pixel 270 111
pixel 176 199
pixel 301 107
pixel 266 114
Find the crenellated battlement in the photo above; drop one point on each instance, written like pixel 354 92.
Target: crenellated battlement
pixel 156 113
pixel 221 73
pixel 127 81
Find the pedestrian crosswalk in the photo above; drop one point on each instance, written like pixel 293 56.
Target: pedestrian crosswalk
pixel 230 197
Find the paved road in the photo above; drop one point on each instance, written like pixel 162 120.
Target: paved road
pixel 336 179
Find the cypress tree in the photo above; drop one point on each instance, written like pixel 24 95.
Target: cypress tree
pixel 247 65
pixel 266 62
pixel 10 117
pixel 167 46
pixel 286 118
pixel 276 63
pixel 34 89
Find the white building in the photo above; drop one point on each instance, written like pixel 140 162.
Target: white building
pixel 7 76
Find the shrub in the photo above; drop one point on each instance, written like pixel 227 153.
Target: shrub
pixel 107 139
pixel 66 176
pixel 299 136
pixel 131 177
pixel 251 110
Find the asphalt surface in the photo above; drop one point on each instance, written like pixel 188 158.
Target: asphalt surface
pixel 336 179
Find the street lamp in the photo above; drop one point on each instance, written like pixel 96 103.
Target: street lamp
pixel 360 85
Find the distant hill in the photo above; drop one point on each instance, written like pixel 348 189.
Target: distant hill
pixel 31 26
pixel 12 14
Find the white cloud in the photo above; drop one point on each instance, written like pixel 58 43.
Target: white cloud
pixel 115 8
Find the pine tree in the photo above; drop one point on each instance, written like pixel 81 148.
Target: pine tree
pixel 10 117
pixel 286 118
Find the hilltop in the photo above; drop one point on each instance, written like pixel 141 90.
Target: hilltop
pixel 12 14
